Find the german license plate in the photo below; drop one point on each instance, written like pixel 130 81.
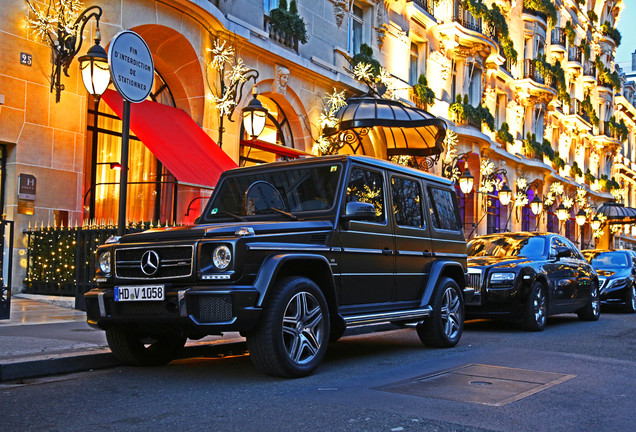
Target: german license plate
pixel 140 293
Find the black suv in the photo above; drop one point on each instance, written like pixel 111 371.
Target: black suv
pixel 290 254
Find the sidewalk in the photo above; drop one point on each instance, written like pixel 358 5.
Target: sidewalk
pixel 46 336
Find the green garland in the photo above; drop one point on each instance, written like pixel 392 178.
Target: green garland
pixel 618 129
pixel 503 134
pixel 425 94
pixel 607 77
pixel 545 6
pixel 592 16
pixel 532 148
pixel 462 111
pixel 548 150
pixel 570 33
pixel 589 177
pixel 557 73
pixel 497 20
pixel 576 170
pixel 611 32
pixel 557 161
pixel 588 108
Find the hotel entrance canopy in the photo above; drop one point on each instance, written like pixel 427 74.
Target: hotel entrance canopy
pixel 176 140
pixel 406 130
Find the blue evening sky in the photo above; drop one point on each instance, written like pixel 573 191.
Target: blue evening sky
pixel 627 27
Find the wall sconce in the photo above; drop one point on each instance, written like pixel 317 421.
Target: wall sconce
pixel 596 223
pixel 254 115
pixel 65 38
pixel 536 205
pixel 113 165
pixel 466 182
pixel 562 213
pixel 505 195
pixel 94 67
pixel 581 217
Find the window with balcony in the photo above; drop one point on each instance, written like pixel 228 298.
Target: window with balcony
pixel 414 64
pixel 539 126
pixel 474 85
pixel 357 30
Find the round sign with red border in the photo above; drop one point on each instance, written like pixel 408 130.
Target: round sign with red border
pixel 132 69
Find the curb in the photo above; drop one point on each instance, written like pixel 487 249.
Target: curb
pixel 81 361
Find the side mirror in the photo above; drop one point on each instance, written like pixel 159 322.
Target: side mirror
pixel 359 211
pixel 197 220
pixel 563 252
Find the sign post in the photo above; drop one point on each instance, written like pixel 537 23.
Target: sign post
pixel 132 71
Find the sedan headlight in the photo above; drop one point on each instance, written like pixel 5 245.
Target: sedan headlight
pixel 502 278
pixel 222 257
pixel 104 263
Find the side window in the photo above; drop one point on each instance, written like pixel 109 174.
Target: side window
pixel 442 208
pixel 557 242
pixel 367 186
pixel 407 202
pixel 575 251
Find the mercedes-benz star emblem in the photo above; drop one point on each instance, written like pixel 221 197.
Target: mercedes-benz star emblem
pixel 150 262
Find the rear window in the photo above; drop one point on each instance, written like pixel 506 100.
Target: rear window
pixel 442 209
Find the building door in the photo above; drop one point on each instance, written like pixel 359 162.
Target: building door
pixel 6 243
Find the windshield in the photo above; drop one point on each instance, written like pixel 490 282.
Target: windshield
pixel 607 259
pixel 294 190
pixel 508 246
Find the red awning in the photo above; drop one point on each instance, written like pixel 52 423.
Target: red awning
pixel 176 140
pixel 275 148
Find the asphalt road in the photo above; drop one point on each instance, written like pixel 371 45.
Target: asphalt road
pixel 365 384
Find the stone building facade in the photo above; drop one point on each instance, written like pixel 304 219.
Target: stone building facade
pixel 68 145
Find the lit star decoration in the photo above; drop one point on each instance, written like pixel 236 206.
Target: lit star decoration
pixel 45 20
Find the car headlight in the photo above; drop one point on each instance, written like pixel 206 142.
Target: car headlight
pixel 500 278
pixel 221 257
pixel 104 262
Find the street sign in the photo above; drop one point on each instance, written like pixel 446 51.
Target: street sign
pixel 131 67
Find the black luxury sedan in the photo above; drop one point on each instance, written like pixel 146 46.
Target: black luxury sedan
pixel 526 276
pixel 616 276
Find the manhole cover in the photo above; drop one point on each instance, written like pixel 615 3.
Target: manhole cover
pixel 482 384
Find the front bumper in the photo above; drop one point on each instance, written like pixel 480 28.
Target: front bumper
pixel 614 292
pixel 209 310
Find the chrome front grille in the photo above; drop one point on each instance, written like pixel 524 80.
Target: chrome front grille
pixel 174 262
pixel 474 280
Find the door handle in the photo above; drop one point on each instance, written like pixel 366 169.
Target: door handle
pixel 428 254
pixel 387 251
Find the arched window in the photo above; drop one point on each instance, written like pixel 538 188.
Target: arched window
pixel 276 142
pixel 151 188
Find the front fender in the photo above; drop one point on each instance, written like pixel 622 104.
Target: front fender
pixel 272 265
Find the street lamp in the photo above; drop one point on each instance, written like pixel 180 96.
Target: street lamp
pixel 581 217
pixel 505 194
pixel 536 205
pixel 562 213
pixel 596 223
pixel 466 182
pixel 254 116
pixel 94 67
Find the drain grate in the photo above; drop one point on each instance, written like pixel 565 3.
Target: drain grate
pixel 476 383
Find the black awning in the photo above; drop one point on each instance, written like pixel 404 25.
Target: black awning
pixel 615 212
pixel 406 130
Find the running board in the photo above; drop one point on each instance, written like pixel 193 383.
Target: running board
pixel 412 315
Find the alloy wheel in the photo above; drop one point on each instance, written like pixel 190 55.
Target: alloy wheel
pixel 539 307
pixel 596 303
pixel 633 297
pixel 451 313
pixel 303 328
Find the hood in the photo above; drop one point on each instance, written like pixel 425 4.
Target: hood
pixel 492 261
pixel 612 272
pixel 225 230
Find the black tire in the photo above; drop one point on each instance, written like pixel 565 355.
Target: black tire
pixel 292 336
pixel 630 300
pixel 444 327
pixel 592 310
pixel 137 349
pixel 537 308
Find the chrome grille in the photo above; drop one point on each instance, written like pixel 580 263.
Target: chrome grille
pixel 211 308
pixel 174 262
pixel 474 280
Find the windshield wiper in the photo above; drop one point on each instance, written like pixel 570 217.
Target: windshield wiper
pixel 235 216
pixel 289 215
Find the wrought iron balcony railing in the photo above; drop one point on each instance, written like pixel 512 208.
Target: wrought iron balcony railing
pixel 575 55
pixel 427 5
pixel 589 69
pixel 558 37
pixel 530 71
pixel 576 108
